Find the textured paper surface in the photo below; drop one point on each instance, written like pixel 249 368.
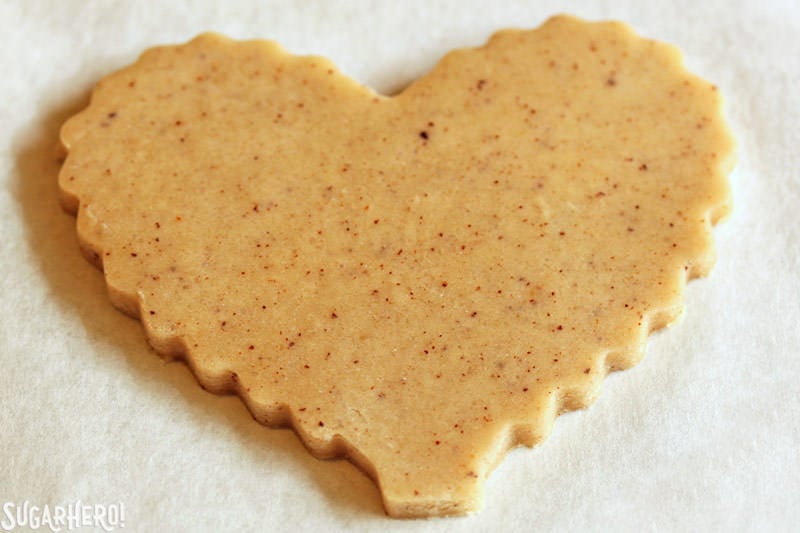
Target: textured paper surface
pixel 702 435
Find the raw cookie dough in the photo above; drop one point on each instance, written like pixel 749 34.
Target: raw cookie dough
pixel 417 282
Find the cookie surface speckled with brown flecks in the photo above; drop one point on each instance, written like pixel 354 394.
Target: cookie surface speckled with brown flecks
pixel 417 282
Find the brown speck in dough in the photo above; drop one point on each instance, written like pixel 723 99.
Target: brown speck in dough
pixel 427 273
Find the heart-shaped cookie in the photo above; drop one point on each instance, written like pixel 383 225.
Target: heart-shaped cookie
pixel 417 282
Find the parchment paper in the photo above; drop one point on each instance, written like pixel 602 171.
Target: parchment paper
pixel 702 436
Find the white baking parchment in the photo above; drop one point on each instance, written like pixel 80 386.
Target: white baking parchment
pixel 703 435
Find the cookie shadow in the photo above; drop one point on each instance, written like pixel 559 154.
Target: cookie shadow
pixel 79 289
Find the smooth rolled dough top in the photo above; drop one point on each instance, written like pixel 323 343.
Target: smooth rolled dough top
pixel 416 282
